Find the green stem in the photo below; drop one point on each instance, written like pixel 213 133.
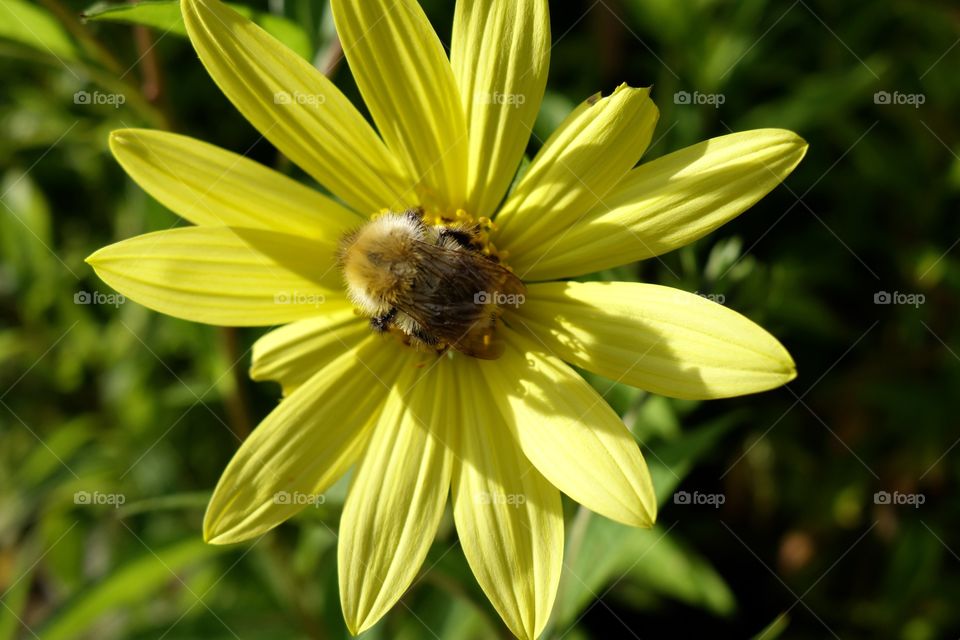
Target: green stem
pixel 113 76
pixel 152 83
pixel 236 402
pixel 93 47
pixel 135 100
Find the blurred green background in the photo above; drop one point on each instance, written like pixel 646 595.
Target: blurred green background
pixel 97 395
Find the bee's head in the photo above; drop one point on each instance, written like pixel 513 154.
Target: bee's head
pixel 379 260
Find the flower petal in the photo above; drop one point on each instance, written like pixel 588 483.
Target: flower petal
pixel 296 108
pixel 222 275
pixel 305 444
pixel 578 165
pixel 657 338
pixel 210 186
pixel 669 202
pixel 570 434
pixel 294 352
pixel 508 517
pixel 396 497
pixel 406 82
pixel 500 57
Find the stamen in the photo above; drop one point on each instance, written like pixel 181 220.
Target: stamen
pixel 460 218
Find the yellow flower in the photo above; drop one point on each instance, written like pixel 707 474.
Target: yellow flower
pixel 504 436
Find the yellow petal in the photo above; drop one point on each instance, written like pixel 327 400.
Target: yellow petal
pixel 406 82
pixel 657 338
pixel 508 516
pixel 294 352
pixel 296 108
pixel 222 275
pixel 500 57
pixel 570 434
pixel 578 165
pixel 210 186
pixel 397 496
pixel 305 444
pixel 669 202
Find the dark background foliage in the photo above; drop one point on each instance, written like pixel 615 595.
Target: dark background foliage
pixel 117 399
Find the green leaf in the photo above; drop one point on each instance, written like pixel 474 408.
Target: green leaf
pixel 26 243
pixel 34 26
pixel 647 558
pixel 26 217
pixel 614 554
pixel 164 15
pixel 672 569
pixel 134 582
pixel 553 110
pixel 671 460
pixel 653 419
pixel 43 462
pixel 775 629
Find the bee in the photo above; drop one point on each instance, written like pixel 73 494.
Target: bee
pixel 432 283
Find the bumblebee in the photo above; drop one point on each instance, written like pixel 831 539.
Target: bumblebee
pixel 431 283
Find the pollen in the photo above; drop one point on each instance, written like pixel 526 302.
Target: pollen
pixel 482 228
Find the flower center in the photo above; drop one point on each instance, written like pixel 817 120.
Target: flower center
pixel 436 280
pixel 460 219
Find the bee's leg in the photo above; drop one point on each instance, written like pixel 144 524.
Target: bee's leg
pixel 426 338
pixel 382 322
pixel 461 237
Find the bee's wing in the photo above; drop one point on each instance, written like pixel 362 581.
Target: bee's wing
pixel 481 342
pixel 451 296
